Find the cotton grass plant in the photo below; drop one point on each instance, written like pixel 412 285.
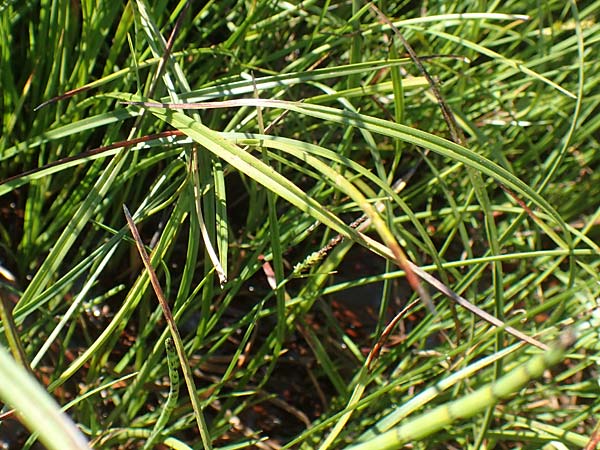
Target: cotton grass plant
pixel 277 158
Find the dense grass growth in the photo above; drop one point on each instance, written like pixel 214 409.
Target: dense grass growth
pixel 288 226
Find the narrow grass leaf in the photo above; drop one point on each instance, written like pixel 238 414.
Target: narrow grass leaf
pixel 38 411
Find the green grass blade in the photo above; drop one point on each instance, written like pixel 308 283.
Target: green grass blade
pixel 36 408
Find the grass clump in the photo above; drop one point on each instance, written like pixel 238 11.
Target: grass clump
pixel 363 221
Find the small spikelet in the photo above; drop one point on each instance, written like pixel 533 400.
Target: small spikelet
pixel 317 256
pixel 308 262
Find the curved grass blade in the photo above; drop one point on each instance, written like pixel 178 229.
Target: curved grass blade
pixel 277 183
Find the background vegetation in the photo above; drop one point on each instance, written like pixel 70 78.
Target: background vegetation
pixel 275 225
